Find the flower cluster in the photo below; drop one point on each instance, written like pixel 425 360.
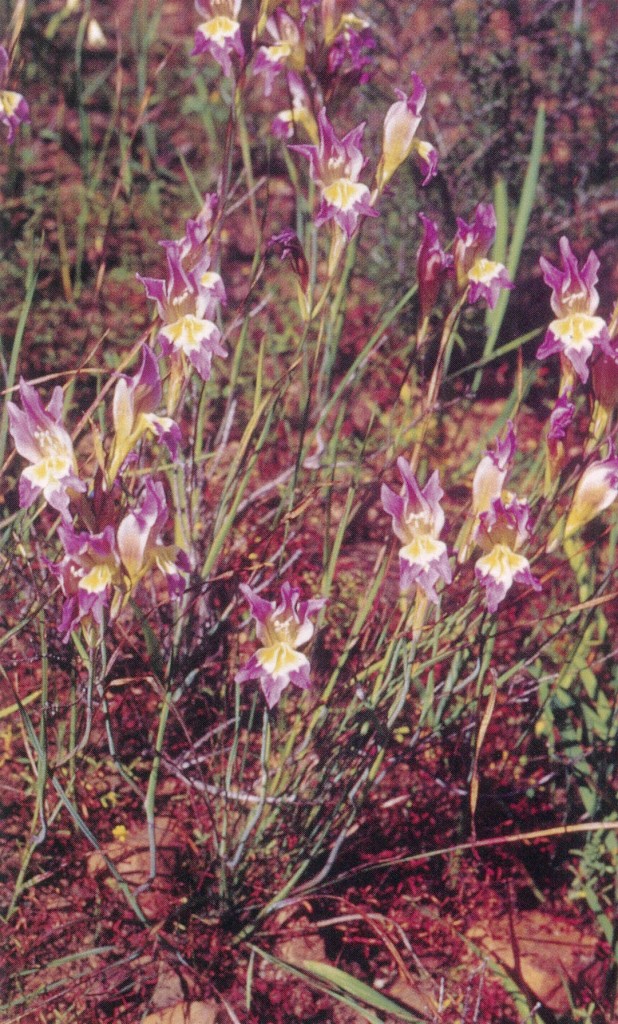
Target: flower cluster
pixel 100 570
pixel 477 277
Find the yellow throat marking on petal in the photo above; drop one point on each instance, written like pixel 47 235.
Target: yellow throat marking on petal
pixel 218 29
pixel 344 193
pixel 422 550
pixel 187 333
pixel 279 51
pixel 484 270
pixel 280 659
pixel 49 470
pixel 95 581
pixel 502 563
pixel 9 101
pixel 578 329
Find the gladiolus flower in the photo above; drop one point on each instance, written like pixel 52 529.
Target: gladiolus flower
pixel 573 290
pixel 492 471
pixel 219 34
pixel 400 124
pixel 188 299
pixel 88 574
pixel 13 107
pixel 284 123
pixel 576 331
pixel 42 440
pixel 486 279
pixel 351 46
pixel 140 547
pixel 433 266
pixel 133 411
pixel 503 529
pixel 336 164
pixel 596 490
pixel 281 628
pixel 287 52
pixel 418 521
pixel 473 241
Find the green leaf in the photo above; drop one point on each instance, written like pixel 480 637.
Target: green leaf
pixel 358 989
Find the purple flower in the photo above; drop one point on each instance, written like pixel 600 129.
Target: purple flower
pixel 596 490
pixel 473 241
pixel 492 471
pixel 350 51
pixel 13 107
pixel 560 420
pixel 42 440
pixel 574 339
pixel 433 266
pixel 486 279
pixel 335 164
pixel 188 299
pixel 400 124
pixel 289 245
pixel 284 123
pixel 573 291
pixel 287 50
pixel 418 521
pixel 133 411
pixel 577 331
pixel 503 529
pixel 219 34
pixel 87 574
pixel 139 542
pixel 281 628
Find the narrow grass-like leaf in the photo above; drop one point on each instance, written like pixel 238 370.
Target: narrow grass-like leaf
pixel 358 990
pixel 524 210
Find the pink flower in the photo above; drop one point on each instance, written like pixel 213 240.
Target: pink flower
pixel 486 279
pixel 596 490
pixel 88 574
pixel 350 52
pixel 400 124
pixel 133 409
pixel 139 542
pixel 503 529
pixel 100 570
pixel 335 164
pixel 433 266
pixel 189 298
pixel 473 241
pixel 418 521
pixel 219 34
pixel 13 107
pixel 573 290
pixel 286 52
pixel 42 440
pixel 492 471
pixel 487 487
pixel 281 628
pixel 577 331
pixel 284 124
